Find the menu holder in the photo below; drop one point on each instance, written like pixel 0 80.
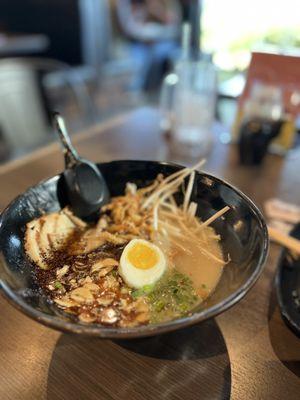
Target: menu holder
pixel 279 71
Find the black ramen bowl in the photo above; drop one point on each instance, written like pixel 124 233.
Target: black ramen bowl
pixel 243 231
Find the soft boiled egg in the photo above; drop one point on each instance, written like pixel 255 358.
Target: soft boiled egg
pixel 142 263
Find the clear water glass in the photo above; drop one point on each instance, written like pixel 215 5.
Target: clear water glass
pixel 188 103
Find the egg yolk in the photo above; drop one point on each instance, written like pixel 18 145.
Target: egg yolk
pixel 142 256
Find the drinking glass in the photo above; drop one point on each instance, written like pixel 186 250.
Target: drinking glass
pixel 187 104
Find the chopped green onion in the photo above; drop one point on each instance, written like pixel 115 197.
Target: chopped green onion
pixel 172 296
pixel 58 285
pixel 143 291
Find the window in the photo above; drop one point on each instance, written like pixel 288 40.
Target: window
pixel 232 28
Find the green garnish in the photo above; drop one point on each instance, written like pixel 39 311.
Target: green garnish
pixel 143 291
pixel 58 285
pixel 204 286
pixel 173 296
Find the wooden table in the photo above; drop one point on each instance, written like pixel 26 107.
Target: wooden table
pixel 245 353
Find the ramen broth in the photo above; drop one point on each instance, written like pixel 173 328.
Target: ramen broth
pixel 187 257
pixel 204 272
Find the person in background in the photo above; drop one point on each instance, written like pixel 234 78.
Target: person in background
pixel 153 28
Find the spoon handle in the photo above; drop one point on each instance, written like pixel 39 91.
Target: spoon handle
pixel 71 155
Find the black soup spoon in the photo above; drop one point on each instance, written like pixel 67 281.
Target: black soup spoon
pixel 86 188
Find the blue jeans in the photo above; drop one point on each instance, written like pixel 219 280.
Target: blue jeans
pixel 150 60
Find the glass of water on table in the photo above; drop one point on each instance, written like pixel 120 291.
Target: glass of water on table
pixel 188 104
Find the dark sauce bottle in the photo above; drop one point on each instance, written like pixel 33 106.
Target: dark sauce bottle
pixel 255 137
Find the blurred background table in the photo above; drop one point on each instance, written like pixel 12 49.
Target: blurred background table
pixel 245 353
pixel 16 45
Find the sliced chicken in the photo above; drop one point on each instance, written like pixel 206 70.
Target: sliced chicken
pixel 47 234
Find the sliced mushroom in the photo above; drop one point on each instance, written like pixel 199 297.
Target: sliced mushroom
pixel 65 302
pixel 62 271
pixel 79 266
pixel 104 271
pixel 110 282
pixel 107 262
pixel 105 300
pixel 125 290
pixel 73 283
pixel 82 295
pixel 89 241
pixel 92 287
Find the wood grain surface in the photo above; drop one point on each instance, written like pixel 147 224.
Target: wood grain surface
pixel 246 353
